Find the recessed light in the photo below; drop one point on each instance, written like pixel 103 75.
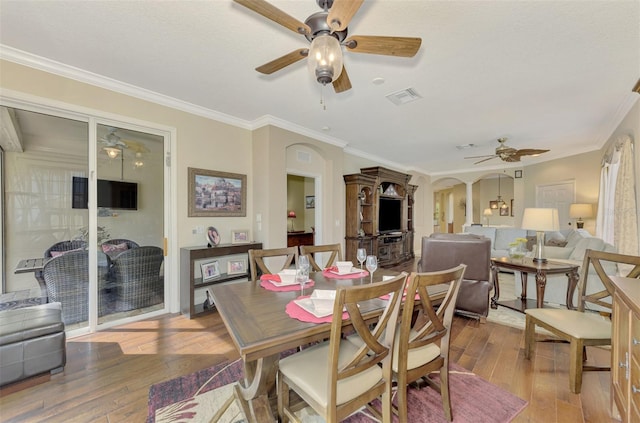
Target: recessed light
pixel 378 81
pixel 326 128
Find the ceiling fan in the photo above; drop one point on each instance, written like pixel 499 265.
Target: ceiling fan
pixel 113 144
pixel 508 154
pixel 327 32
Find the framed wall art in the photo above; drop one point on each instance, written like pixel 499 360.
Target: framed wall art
pixel 213 193
pixel 210 270
pixel 310 202
pixel 504 211
pixel 235 267
pixel 240 236
pixel 493 204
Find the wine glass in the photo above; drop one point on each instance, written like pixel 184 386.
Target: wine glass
pixel 372 265
pixel 302 276
pixel 361 255
pixel 303 262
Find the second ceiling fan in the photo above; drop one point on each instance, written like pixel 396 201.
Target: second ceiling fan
pixel 327 32
pixel 508 154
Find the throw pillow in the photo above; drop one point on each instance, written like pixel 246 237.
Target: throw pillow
pixel 61 253
pixel 531 242
pixel 556 243
pixel 114 249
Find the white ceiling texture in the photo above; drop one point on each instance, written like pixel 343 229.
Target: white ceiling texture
pixel 551 75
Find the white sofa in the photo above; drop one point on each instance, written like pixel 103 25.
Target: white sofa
pixel 566 246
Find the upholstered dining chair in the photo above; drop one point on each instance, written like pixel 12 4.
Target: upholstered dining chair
pixel 310 251
pixel 284 257
pixel 336 377
pixel 582 327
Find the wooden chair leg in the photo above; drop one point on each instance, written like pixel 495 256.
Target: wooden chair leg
pixel 529 337
pixel 444 392
pixel 576 348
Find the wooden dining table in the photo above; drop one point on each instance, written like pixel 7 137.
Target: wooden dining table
pixel 261 330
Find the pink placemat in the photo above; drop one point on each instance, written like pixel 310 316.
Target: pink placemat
pixel 299 313
pixel 329 273
pixel 269 286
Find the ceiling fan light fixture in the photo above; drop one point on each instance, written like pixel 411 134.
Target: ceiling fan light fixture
pixel 112 152
pixel 325 58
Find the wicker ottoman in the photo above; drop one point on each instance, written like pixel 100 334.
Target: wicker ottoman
pixel 32 341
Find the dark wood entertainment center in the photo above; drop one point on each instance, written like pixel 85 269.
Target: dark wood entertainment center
pixel 379 215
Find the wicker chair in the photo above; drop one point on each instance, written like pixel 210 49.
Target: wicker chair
pixel 58 247
pixel 67 282
pixel 138 282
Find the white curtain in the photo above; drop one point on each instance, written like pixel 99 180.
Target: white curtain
pixel 616 219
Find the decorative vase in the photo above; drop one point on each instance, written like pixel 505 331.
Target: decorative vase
pixel 516 251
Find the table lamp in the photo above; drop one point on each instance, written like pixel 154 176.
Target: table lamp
pixel 291 215
pixel 540 220
pixel 486 213
pixel 578 211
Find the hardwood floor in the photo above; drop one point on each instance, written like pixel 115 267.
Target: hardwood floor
pixel 108 374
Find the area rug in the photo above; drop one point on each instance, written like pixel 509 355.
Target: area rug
pixel 197 397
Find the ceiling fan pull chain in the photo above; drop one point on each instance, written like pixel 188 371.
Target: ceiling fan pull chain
pixel 322 102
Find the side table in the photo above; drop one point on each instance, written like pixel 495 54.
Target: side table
pixel 541 270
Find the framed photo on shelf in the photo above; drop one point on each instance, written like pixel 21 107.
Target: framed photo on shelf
pixel 236 266
pixel 240 236
pixel 310 202
pixel 504 211
pixel 213 193
pixel 210 270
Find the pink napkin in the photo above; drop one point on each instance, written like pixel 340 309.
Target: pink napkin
pixel 269 286
pixel 331 272
pixel 297 312
pixel 268 277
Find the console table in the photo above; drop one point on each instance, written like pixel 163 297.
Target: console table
pixel 541 269
pixel 297 238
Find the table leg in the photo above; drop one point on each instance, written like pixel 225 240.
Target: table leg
pixel 496 286
pixel 571 287
pixel 523 282
pixel 541 284
pixel 253 393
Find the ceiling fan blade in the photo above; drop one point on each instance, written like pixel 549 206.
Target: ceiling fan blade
pixel 480 157
pixel 484 160
pixel 342 83
pixel 269 11
pixel 529 152
pixel 284 61
pixel 390 46
pixel 341 13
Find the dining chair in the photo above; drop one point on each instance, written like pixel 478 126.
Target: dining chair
pixel 55 250
pixel 310 251
pixel 335 377
pixel 584 326
pixel 284 257
pixel 417 352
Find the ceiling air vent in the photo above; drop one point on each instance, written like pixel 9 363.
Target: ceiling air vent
pixel 404 96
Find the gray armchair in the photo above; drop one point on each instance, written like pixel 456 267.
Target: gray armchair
pixel 444 251
pixel 137 279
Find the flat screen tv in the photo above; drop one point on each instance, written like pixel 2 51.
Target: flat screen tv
pixel 111 194
pixel 390 215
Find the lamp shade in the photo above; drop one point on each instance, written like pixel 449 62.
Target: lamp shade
pixel 540 219
pixel 325 58
pixel 578 211
pixel 291 214
pixel 487 212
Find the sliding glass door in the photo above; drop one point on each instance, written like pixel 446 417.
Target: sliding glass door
pixel 84 218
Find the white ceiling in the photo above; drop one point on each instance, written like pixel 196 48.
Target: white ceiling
pixel 552 75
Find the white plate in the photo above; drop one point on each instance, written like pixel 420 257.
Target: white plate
pixel 354 271
pixel 307 305
pixel 276 283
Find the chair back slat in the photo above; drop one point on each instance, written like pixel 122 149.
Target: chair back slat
pixel 598 260
pixel 311 251
pixel 288 257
